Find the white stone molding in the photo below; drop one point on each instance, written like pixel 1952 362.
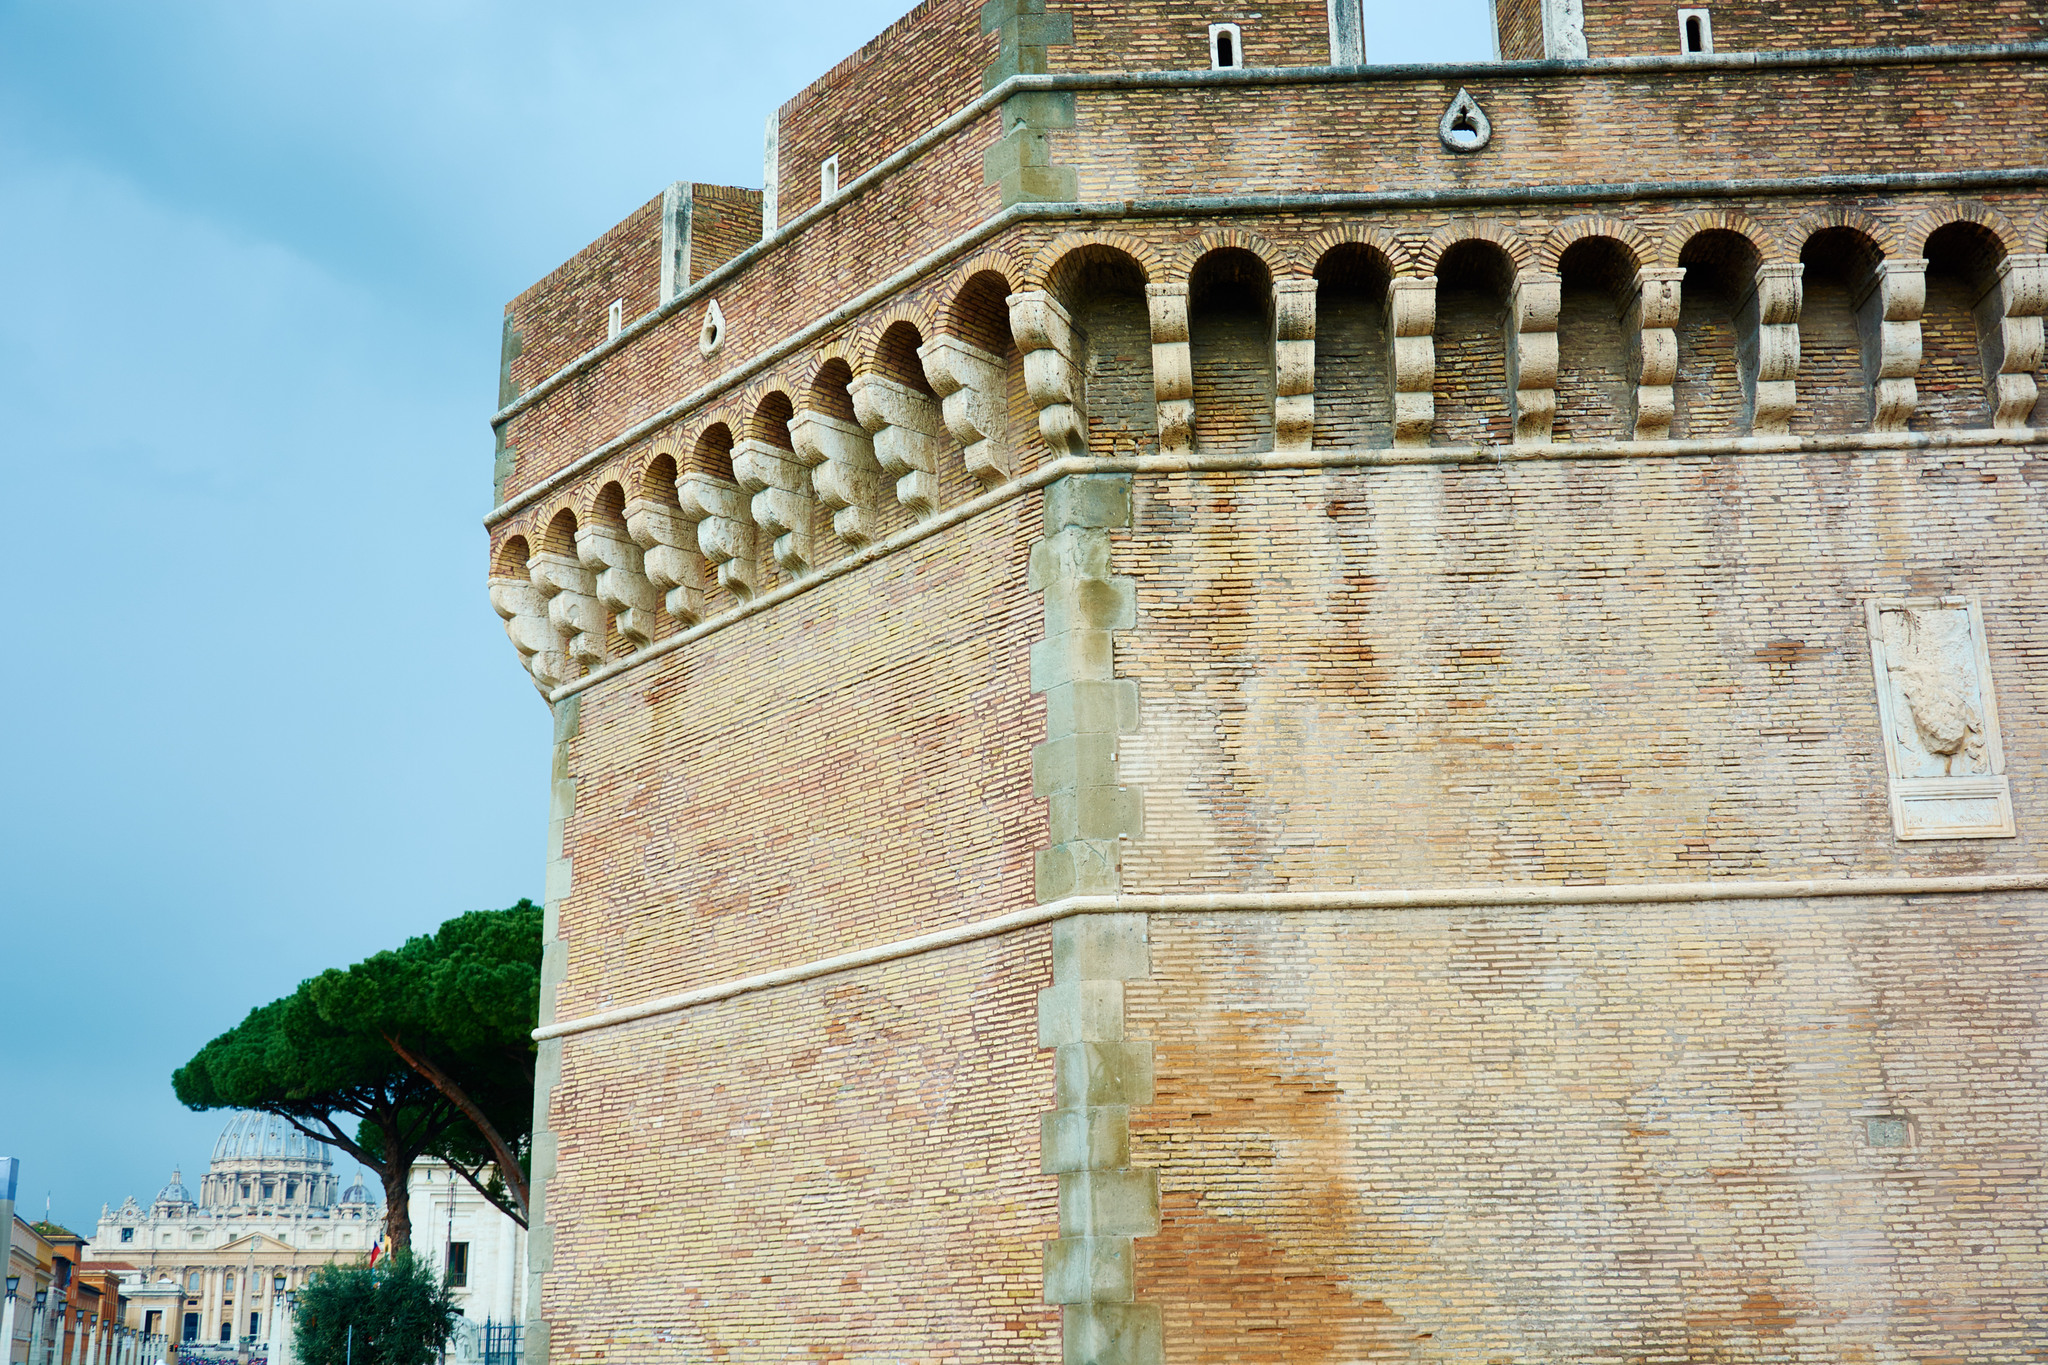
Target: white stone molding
pixel 907 428
pixel 1650 327
pixel 780 486
pixel 1173 366
pixel 1564 30
pixel 1941 745
pixel 974 400
pixel 844 475
pixel 1888 322
pixel 669 558
pixel 571 593
pixel 1411 323
pixel 2010 337
pixel 621 585
pixel 1294 362
pixel 1767 346
pixel 1533 307
pixel 1052 370
pixel 725 533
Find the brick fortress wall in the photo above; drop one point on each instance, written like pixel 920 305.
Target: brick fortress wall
pixel 1146 554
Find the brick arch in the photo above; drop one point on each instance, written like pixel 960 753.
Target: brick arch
pixel 812 371
pixel 728 415
pixel 613 471
pixel 1467 229
pixel 1842 216
pixel 1716 220
pixel 550 521
pixel 2036 236
pixel 1277 261
pixel 1010 266
pixel 1047 262
pixel 507 562
pixel 1400 261
pixel 968 311
pixel 1574 230
pixel 642 458
pixel 1962 211
pixel 867 337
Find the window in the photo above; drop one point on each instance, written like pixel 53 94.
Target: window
pixel 458 1264
pixel 270 1186
pixel 1226 47
pixel 152 1321
pixel 245 1189
pixel 291 1190
pixel 614 323
pixel 127 1234
pixel 255 1323
pixel 828 178
pixel 228 1285
pixel 191 1327
pixel 227 1332
pixel 192 1282
pixel 1695 31
pixel 199 1239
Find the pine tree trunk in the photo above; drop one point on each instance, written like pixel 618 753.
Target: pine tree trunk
pixel 397 1204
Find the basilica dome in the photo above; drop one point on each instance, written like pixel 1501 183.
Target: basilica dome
pixel 251 1136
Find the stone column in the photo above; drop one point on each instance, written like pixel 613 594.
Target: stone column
pixel 725 534
pixel 1767 346
pixel 844 475
pixel 974 400
pixel 573 609
pixel 1173 367
pixel 780 488
pixel 619 583
pixel 1294 362
pixel 1888 322
pixel 1052 370
pixel 1411 328
pixel 668 556
pixel 2010 336
pixel 906 427
pixel 1532 355
pixel 1653 349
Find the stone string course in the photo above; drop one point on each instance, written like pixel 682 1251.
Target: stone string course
pixel 1134 539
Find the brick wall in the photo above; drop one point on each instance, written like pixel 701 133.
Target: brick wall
pixel 564 315
pixel 724 221
pixel 917 71
pixel 811 782
pixel 1623 28
pixel 1518 25
pixel 1623 1133
pixel 841 1170
pixel 1651 669
pixel 1114 36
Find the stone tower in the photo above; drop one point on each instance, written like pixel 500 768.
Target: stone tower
pixel 1216 703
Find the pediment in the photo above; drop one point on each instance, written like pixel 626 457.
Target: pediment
pixel 255 1241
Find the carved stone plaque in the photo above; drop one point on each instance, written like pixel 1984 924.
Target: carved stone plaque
pixel 1940 723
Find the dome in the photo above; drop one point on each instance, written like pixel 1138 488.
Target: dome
pixel 357 1193
pixel 175 1192
pixel 250 1136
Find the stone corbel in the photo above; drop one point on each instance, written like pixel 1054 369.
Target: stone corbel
pixel 622 585
pixel 1653 349
pixel 1411 322
pixel 1052 370
pixel 844 474
pixel 1294 363
pixel 906 427
pixel 669 558
pixel 725 535
pixel 782 503
pixel 525 609
pixel 571 593
pixel 2010 334
pixel 974 399
pixel 1888 321
pixel 1173 367
pixel 1532 355
pixel 1767 346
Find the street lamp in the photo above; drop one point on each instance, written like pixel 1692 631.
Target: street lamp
pixel 13 1283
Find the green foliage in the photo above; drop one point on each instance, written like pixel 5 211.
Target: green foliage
pixel 401 1312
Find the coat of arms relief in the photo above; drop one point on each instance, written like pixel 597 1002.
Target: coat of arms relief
pixel 1940 725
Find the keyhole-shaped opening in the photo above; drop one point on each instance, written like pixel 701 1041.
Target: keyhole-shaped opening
pixel 1226 51
pixel 1695 40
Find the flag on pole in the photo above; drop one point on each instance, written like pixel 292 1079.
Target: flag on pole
pixel 376 1248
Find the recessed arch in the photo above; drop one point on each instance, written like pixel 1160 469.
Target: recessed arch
pixel 608 508
pixel 829 391
pixel 1715 340
pixel 1475 277
pixel 1429 261
pixel 657 481
pixel 769 420
pixel 980 312
pixel 894 355
pixel 1841 260
pixel 1963 254
pixel 1102 287
pixel 1354 349
pixel 712 453
pixel 560 536
pixel 1079 249
pixel 1230 346
pixel 1596 275
pixel 510 558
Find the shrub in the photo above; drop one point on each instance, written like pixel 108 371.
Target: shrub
pixel 400 1313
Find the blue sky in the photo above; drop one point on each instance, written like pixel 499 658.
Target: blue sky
pixel 253 258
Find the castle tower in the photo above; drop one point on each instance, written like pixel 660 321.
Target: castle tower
pixel 1216 703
